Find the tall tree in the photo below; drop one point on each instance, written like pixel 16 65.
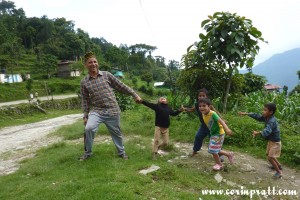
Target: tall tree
pixel 253 83
pixel 230 42
pixel 47 64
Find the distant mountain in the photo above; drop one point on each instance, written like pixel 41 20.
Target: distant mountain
pixel 281 69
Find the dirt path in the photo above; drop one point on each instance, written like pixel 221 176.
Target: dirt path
pixel 20 142
pixel 247 172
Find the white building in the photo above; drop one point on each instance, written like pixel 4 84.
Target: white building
pixel 157 84
pixel 10 78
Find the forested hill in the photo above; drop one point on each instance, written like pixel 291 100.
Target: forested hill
pixel 281 69
pixel 31 44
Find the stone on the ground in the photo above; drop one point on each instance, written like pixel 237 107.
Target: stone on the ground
pixel 149 169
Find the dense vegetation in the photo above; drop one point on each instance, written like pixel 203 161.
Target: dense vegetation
pixel 35 45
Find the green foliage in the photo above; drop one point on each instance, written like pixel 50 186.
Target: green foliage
pixel 287 107
pixel 295 90
pixel 253 83
pixel 159 74
pixel 10 92
pixel 125 102
pixel 30 109
pixel 146 90
pixel 243 128
pixel 148 77
pixel 29 85
pixel 62 104
pixel 230 42
pixel 192 80
pixel 134 81
pixel 34 45
pixel 77 66
pixel 46 64
pixel 104 176
pixel 59 87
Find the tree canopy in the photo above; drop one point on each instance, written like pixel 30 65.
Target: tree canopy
pixel 230 42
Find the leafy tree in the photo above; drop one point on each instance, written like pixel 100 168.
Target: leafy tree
pixel 159 74
pixel 144 48
pixel 134 81
pixel 191 80
pixel 148 77
pixel 84 37
pixel 77 66
pixel 29 85
pixel 74 46
pixel 47 64
pixel 297 88
pixel 253 83
pixel 230 42
pixel 116 56
pixel 173 65
pixel 160 61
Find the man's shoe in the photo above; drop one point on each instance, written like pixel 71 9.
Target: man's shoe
pixel 84 157
pixel 124 156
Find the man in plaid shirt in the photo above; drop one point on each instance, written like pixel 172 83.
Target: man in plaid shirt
pixel 99 105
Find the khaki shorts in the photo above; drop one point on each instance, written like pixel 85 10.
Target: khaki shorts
pixel 274 149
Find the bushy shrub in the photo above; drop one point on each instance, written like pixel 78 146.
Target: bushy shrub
pixel 64 87
pixel 162 92
pixel 125 102
pixel 146 90
pixel 62 104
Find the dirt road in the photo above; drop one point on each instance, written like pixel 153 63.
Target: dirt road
pixel 19 142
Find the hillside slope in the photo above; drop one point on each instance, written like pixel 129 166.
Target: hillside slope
pixel 281 69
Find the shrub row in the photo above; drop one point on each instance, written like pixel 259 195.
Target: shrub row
pixel 29 109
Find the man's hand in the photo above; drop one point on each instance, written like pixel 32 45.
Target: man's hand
pixel 138 99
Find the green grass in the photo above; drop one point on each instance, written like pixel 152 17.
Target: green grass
pixel 55 172
pixel 18 91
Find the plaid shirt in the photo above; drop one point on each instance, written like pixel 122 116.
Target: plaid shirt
pixel 98 93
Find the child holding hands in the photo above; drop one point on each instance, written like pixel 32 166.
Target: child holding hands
pixel 162 122
pixel 217 128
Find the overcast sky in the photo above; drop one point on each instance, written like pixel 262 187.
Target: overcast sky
pixel 172 25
